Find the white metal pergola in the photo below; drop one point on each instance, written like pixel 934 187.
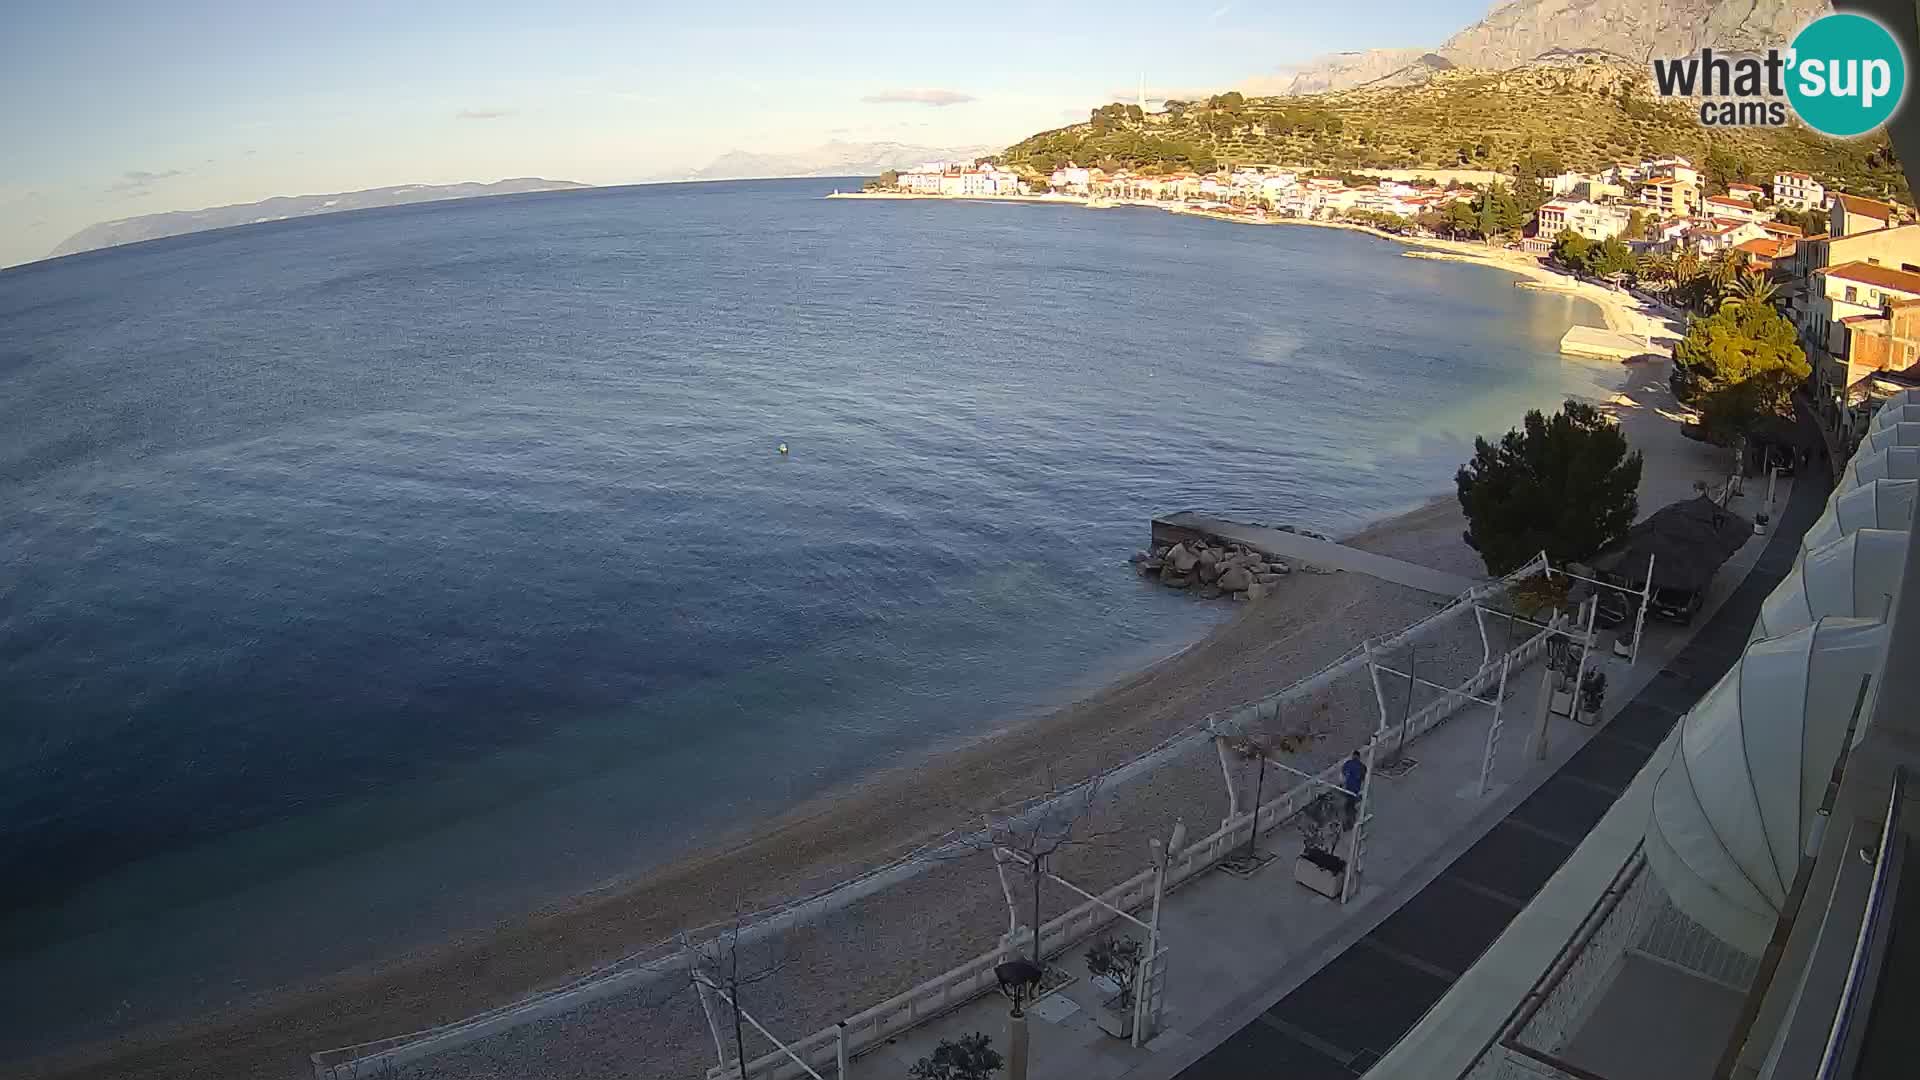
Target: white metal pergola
pixel 1150 975
pixel 709 989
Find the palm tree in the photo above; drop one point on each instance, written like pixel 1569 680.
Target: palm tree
pixel 1751 289
pixel 1725 267
pixel 1686 278
pixel 1656 267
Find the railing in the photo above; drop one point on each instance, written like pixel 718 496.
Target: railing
pixel 1632 916
pixel 968 980
pixel 975 977
pixel 1843 1040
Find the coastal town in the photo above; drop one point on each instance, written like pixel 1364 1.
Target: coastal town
pixel 1843 268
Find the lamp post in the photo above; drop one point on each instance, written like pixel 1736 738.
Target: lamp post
pixel 1019 979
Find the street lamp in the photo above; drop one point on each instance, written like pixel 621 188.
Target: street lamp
pixel 1019 981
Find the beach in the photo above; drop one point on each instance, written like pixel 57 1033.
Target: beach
pixel 942 914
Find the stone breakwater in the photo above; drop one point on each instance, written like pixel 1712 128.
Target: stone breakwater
pixel 1213 569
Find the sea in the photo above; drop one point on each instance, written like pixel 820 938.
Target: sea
pixel 374 577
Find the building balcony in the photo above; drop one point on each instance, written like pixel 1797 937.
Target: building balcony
pixel 1641 992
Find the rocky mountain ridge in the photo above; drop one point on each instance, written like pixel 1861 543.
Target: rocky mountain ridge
pixel 1522 32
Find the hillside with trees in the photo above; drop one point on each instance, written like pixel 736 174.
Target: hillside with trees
pixel 1583 116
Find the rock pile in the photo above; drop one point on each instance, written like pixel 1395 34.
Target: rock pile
pixel 1213 569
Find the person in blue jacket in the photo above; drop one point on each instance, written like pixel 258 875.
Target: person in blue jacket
pixel 1352 776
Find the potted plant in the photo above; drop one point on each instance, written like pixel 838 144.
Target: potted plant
pixel 1114 964
pixel 1593 692
pixel 1321 825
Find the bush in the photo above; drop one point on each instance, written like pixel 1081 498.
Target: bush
pixel 970 1057
pixel 1117 959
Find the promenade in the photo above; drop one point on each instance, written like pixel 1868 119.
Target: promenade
pixel 1268 978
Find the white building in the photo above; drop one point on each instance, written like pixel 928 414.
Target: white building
pixel 1730 206
pixel 1798 191
pixel 1673 168
pixel 1748 192
pixel 1595 221
pixel 1071 178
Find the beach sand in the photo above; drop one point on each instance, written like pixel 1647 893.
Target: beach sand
pixel 878 946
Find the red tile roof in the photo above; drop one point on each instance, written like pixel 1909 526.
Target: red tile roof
pixel 1766 248
pixel 1865 207
pixel 1880 277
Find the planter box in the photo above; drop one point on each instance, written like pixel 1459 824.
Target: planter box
pixel 1561 703
pixel 1320 871
pixel 1114 1018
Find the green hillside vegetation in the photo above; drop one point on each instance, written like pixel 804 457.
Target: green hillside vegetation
pixel 1585 116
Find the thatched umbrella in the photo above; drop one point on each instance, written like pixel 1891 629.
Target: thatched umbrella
pixel 1688 541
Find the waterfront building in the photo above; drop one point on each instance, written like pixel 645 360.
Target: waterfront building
pixel 1595 221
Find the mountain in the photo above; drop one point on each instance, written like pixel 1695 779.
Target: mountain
pixel 1334 71
pixel 1524 32
pixel 830 159
pixel 175 222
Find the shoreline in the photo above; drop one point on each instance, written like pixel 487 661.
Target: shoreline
pixel 1619 310
pixel 862 823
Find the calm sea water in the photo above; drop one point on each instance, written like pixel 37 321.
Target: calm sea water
pixel 368 577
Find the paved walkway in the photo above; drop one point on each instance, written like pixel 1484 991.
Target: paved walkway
pixel 1342 1020
pixel 1268 979
pixel 1294 547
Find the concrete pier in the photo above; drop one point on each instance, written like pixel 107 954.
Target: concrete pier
pixel 1295 548
pixel 1603 344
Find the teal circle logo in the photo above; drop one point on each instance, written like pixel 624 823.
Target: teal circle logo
pixel 1847 75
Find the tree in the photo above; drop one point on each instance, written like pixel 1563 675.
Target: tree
pixel 1636 226
pixel 1723 167
pixel 1610 258
pixel 1462 219
pixel 1737 366
pixel 1570 249
pixel 1752 288
pixel 970 1057
pixel 1563 484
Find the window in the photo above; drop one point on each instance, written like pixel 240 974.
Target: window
pixel 1852 295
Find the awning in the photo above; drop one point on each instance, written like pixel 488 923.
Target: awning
pixel 1891 434
pixel 1877 504
pixel 1745 770
pixel 1688 541
pixel 1895 414
pixel 1893 463
pixel 1854 576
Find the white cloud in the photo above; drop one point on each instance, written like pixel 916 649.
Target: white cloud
pixel 140 181
pixel 482 114
pixel 935 98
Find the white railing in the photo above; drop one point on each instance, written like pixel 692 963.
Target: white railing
pixel 976 977
pixel 968 980
pixel 1632 916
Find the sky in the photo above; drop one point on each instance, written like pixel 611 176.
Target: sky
pixel 115 109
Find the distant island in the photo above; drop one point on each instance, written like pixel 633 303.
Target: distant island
pixel 279 208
